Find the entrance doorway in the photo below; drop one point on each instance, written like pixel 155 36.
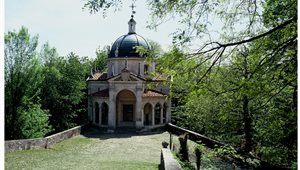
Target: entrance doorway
pixel 126 103
pixel 127 112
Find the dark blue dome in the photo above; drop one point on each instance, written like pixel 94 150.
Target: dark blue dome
pixel 124 46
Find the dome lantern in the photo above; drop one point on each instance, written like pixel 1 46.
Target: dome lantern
pixel 131 25
pixel 125 46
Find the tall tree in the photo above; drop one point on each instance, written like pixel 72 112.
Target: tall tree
pixel 238 103
pixel 64 88
pixel 23 79
pixel 100 62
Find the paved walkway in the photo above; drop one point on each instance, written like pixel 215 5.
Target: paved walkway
pixel 94 150
pixel 128 146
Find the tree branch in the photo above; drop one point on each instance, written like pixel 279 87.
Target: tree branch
pixel 279 27
pixel 280 90
pixel 214 62
pixel 280 48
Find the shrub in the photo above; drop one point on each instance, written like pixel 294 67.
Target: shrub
pixel 33 122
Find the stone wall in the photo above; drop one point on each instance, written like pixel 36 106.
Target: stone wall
pixel 167 161
pixel 25 144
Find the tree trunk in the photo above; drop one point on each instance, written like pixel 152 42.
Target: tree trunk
pixel 247 124
pixel 295 97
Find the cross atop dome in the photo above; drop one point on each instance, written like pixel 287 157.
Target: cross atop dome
pixel 132 6
pixel 131 22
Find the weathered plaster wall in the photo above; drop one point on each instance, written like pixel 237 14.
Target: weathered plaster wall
pixel 95 86
pixel 135 65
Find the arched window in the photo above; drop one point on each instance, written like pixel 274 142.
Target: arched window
pixel 148 114
pixel 104 116
pixel 157 110
pixel 112 69
pixel 96 112
pixel 146 69
pixel 165 113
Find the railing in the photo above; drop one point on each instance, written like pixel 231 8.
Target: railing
pixel 193 136
pixel 211 143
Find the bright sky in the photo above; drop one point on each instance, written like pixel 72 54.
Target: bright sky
pixel 69 28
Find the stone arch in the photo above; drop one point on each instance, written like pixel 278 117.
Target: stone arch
pixel 147 114
pixel 104 113
pixel 97 114
pixel 157 113
pixel 125 107
pixel 125 89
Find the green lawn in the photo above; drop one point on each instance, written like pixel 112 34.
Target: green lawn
pixel 93 150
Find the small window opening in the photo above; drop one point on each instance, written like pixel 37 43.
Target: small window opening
pixel 146 69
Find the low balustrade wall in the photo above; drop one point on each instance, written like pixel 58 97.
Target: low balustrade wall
pixel 167 161
pixel 25 144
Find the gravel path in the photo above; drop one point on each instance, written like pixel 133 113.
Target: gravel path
pixel 126 146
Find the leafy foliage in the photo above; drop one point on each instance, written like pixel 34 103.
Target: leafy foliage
pixel 219 105
pixel 100 62
pixel 23 79
pixel 64 89
pixel 44 92
pixel 33 122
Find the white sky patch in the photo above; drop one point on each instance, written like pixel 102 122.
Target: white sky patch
pixel 68 28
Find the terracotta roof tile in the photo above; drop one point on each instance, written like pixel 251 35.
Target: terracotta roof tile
pixel 158 77
pixel 131 73
pixel 101 93
pixel 98 76
pixel 153 93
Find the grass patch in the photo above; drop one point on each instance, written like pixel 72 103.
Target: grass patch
pixel 99 152
pixel 128 165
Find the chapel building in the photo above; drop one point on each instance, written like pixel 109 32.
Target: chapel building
pixel 128 94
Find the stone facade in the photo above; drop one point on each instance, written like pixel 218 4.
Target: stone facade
pixel 122 97
pixel 124 101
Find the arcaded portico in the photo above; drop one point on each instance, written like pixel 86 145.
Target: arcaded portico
pixel 121 96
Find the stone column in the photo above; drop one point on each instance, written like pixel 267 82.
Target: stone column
pixel 99 103
pixel 90 105
pixel 100 113
pixel 112 107
pixel 142 114
pixel 138 110
pixel 168 115
pixel 153 123
pixel 91 111
pixel 94 113
pixel 161 114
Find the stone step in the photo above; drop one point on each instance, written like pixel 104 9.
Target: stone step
pixel 125 130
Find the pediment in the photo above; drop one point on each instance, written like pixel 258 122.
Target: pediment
pixel 122 78
pixel 125 76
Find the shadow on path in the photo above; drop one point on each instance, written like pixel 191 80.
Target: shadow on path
pixel 102 134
